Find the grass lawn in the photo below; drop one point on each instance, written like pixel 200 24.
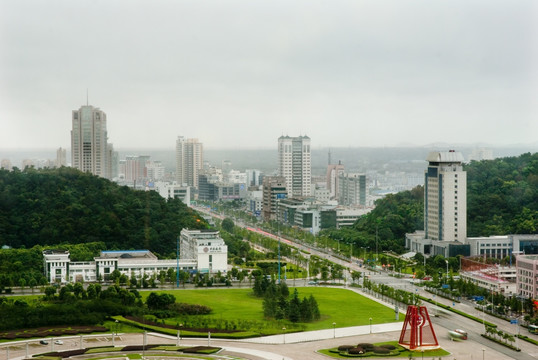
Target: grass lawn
pixel 342 306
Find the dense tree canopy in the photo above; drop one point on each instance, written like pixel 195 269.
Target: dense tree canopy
pixel 62 206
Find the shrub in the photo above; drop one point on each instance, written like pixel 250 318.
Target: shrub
pixel 388 346
pixel 345 347
pixel 356 350
pixel 366 346
pixel 381 350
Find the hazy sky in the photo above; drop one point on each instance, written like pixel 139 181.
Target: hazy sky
pixel 239 74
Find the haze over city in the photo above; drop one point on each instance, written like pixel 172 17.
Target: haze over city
pixel 238 74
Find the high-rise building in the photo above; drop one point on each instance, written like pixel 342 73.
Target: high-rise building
pixel 274 190
pixel 333 173
pixel 189 160
pixel 61 158
pixel 294 164
pixel 352 189
pixel 445 197
pixel 89 141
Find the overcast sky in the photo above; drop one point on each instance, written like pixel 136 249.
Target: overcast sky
pixel 238 74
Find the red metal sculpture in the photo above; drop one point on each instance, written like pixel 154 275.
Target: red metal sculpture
pixel 417 332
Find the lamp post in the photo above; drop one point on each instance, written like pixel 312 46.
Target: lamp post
pixel 446 271
pixel 483 353
pixel 334 330
pixel 370 325
pixel 284 334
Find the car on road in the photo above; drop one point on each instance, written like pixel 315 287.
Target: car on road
pixel 59 342
pixel 312 283
pixel 44 342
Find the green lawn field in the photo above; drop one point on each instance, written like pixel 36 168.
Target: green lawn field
pixel 341 306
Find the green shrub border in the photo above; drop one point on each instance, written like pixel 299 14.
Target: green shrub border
pixel 186 333
pixel 527 339
pixel 500 342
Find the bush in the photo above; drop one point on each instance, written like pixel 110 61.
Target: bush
pixel 381 350
pixel 345 347
pixel 366 346
pixel 388 346
pixel 356 350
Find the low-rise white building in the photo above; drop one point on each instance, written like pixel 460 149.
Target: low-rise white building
pixel 201 251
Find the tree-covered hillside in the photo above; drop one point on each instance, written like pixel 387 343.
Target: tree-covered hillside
pixel 502 196
pixel 49 207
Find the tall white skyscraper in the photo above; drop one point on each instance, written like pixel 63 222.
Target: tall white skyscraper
pixel 294 164
pixel 189 160
pixel 89 141
pixel 445 197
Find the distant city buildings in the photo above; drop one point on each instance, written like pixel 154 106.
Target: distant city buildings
pixel 189 160
pixel 481 154
pixel 89 147
pixel 294 164
pixel 6 164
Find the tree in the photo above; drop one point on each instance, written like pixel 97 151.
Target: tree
pixel 160 301
pixel 50 291
pixel 228 225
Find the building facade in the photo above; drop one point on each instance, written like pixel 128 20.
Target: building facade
pixel 201 251
pixel 445 197
pixel 89 141
pixel 274 190
pixel 352 189
pixel 189 160
pixel 207 247
pixel 527 276
pixel 333 174
pixel 294 164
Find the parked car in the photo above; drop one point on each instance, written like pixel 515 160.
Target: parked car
pixel 44 342
pixel 59 342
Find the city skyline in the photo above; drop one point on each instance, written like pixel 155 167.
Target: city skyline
pixel 240 74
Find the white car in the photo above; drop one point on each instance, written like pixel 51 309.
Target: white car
pixel 59 342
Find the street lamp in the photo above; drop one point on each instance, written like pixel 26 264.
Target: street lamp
pixel 446 270
pixel 370 325
pixel 334 330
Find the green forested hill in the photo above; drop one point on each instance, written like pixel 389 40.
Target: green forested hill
pixel 49 207
pixel 502 198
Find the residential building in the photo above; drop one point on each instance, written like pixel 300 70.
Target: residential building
pixel 189 160
pixel 527 275
pixel 352 189
pixel 274 190
pixel 89 141
pixel 334 171
pixel 254 177
pixel 294 164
